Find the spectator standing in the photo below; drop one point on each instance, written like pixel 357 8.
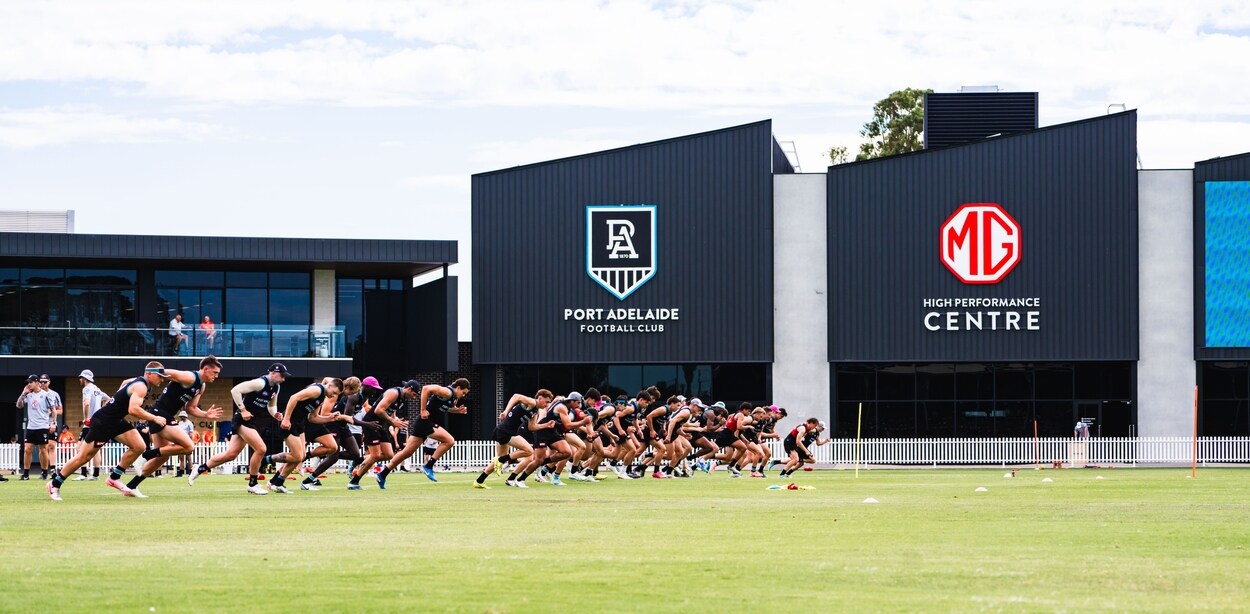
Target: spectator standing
pixel 1081 430
pixel 209 330
pixel 92 400
pixel 54 401
pixel 176 336
pixel 40 426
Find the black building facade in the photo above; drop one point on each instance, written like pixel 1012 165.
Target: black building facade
pixel 646 265
pixel 978 289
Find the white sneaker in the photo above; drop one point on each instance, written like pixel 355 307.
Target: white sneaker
pixel 195 473
pixel 306 486
pixel 80 478
pixel 257 489
pixel 134 492
pixel 54 492
pixel 577 477
pixel 278 488
pixel 509 483
pixel 521 484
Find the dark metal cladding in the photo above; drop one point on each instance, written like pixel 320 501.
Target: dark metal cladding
pixel 781 162
pixel 1072 188
pixel 957 118
pixel 432 344
pixel 378 257
pixel 1231 168
pixel 713 196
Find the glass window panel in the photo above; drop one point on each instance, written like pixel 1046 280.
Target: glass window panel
pixel 189 301
pixel 1224 419
pixel 856 382
pixel 973 381
pixel 98 307
pixel 896 382
pixel 896 419
pixel 1104 380
pixel 935 419
pixel 9 304
pixel 246 306
pixel 590 376
pixel 100 277
pixel 43 305
pixel 663 377
pixel 43 277
pixel 167 304
pixel 190 279
pixel 735 383
pixel 974 418
pixel 1013 418
pixel 247 280
pixel 290 280
pixel 210 305
pixel 625 379
pixel 290 307
pixel 8 277
pixel 1224 380
pixel 936 381
pixel 1053 381
pixel 846 416
pixel 350 314
pixel 1013 381
pixel 1054 418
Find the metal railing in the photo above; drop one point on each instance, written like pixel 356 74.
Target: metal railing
pixel 473 455
pixel 226 340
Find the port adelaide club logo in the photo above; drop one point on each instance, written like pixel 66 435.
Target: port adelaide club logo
pixel 620 246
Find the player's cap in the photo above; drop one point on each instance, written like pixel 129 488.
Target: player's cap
pixel 772 408
pixel 32 378
pixel 574 396
pixel 681 398
pixel 87 375
pixel 371 382
pixel 413 384
pixel 44 378
pixel 823 426
pixel 697 403
pixel 720 404
pixel 182 414
pixel 279 368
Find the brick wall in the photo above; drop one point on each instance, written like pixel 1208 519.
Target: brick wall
pixel 473 425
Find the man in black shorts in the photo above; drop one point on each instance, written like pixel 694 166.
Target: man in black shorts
pixel 109 424
pixel 508 433
pixel 434 398
pixel 379 443
pixel 255 405
pixel 183 391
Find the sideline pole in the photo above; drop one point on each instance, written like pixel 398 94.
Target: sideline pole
pixel 859 424
pixel 1193 471
pixel 1037 449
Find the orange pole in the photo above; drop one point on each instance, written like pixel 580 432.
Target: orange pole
pixel 1037 448
pixel 1193 471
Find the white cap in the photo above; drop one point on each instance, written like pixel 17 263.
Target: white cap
pixel 87 375
pixel 824 426
pixel 681 398
pixel 697 403
pixel 574 396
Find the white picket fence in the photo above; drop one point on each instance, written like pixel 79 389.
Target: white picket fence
pixel 473 455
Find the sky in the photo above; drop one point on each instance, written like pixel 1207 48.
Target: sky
pixel 367 119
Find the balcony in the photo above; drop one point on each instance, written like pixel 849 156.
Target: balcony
pixel 228 340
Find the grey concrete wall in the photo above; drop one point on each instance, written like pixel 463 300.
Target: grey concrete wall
pixel 1166 372
pixel 323 294
pixel 800 321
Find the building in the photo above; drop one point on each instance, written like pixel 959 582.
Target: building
pixel 1009 284
pixel 320 306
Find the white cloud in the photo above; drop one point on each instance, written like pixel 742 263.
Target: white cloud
pixel 25 128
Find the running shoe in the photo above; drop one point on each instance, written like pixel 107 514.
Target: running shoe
pixel 134 492
pixel 308 486
pixel 80 478
pixel 54 492
pixel 555 480
pixel 711 466
pixel 498 466
pixel 94 478
pixel 24 477
pixel 539 477
pixel 429 473
pixel 480 485
pixel 659 476
pixel 351 486
pixel 119 486
pixel 521 484
pixel 381 480
pixel 756 474
pixel 257 489
pixel 509 483
pixel 278 488
pixel 577 477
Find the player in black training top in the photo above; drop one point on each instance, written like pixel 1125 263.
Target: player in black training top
pixel 308 407
pixel 182 392
pixel 435 400
pixel 109 424
pixel 255 404
pixel 508 433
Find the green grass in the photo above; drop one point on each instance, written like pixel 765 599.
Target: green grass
pixel 1137 540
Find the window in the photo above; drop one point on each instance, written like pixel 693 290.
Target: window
pixel 247 307
pixel 290 307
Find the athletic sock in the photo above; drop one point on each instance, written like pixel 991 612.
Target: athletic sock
pixel 429 463
pixel 117 473
pixel 151 453
pixel 355 479
pixel 505 458
pixel 668 470
pixel 84 472
pixel 135 482
pixel 26 472
pixel 481 477
pixel 512 476
pixel 253 479
pixel 202 469
pixel 277 479
pixel 95 472
pixel 57 480
pixel 385 472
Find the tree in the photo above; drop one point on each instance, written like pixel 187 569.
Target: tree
pixel 839 154
pixel 897 125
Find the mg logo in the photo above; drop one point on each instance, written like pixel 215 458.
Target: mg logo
pixel 980 243
pixel 620 246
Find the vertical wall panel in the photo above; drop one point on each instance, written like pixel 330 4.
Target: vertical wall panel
pixel 713 199
pixel 1073 190
pixel 1232 168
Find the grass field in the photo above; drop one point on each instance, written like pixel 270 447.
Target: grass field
pixel 1136 540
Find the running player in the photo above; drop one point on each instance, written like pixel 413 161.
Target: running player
pixel 308 408
pixel 434 398
pixel 109 424
pixel 255 405
pixel 508 433
pixel 183 391
pixel 379 443
pixel 348 404
pixel 798 445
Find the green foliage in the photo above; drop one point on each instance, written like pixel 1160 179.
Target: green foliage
pixel 897 125
pixel 839 154
pixel 1139 540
